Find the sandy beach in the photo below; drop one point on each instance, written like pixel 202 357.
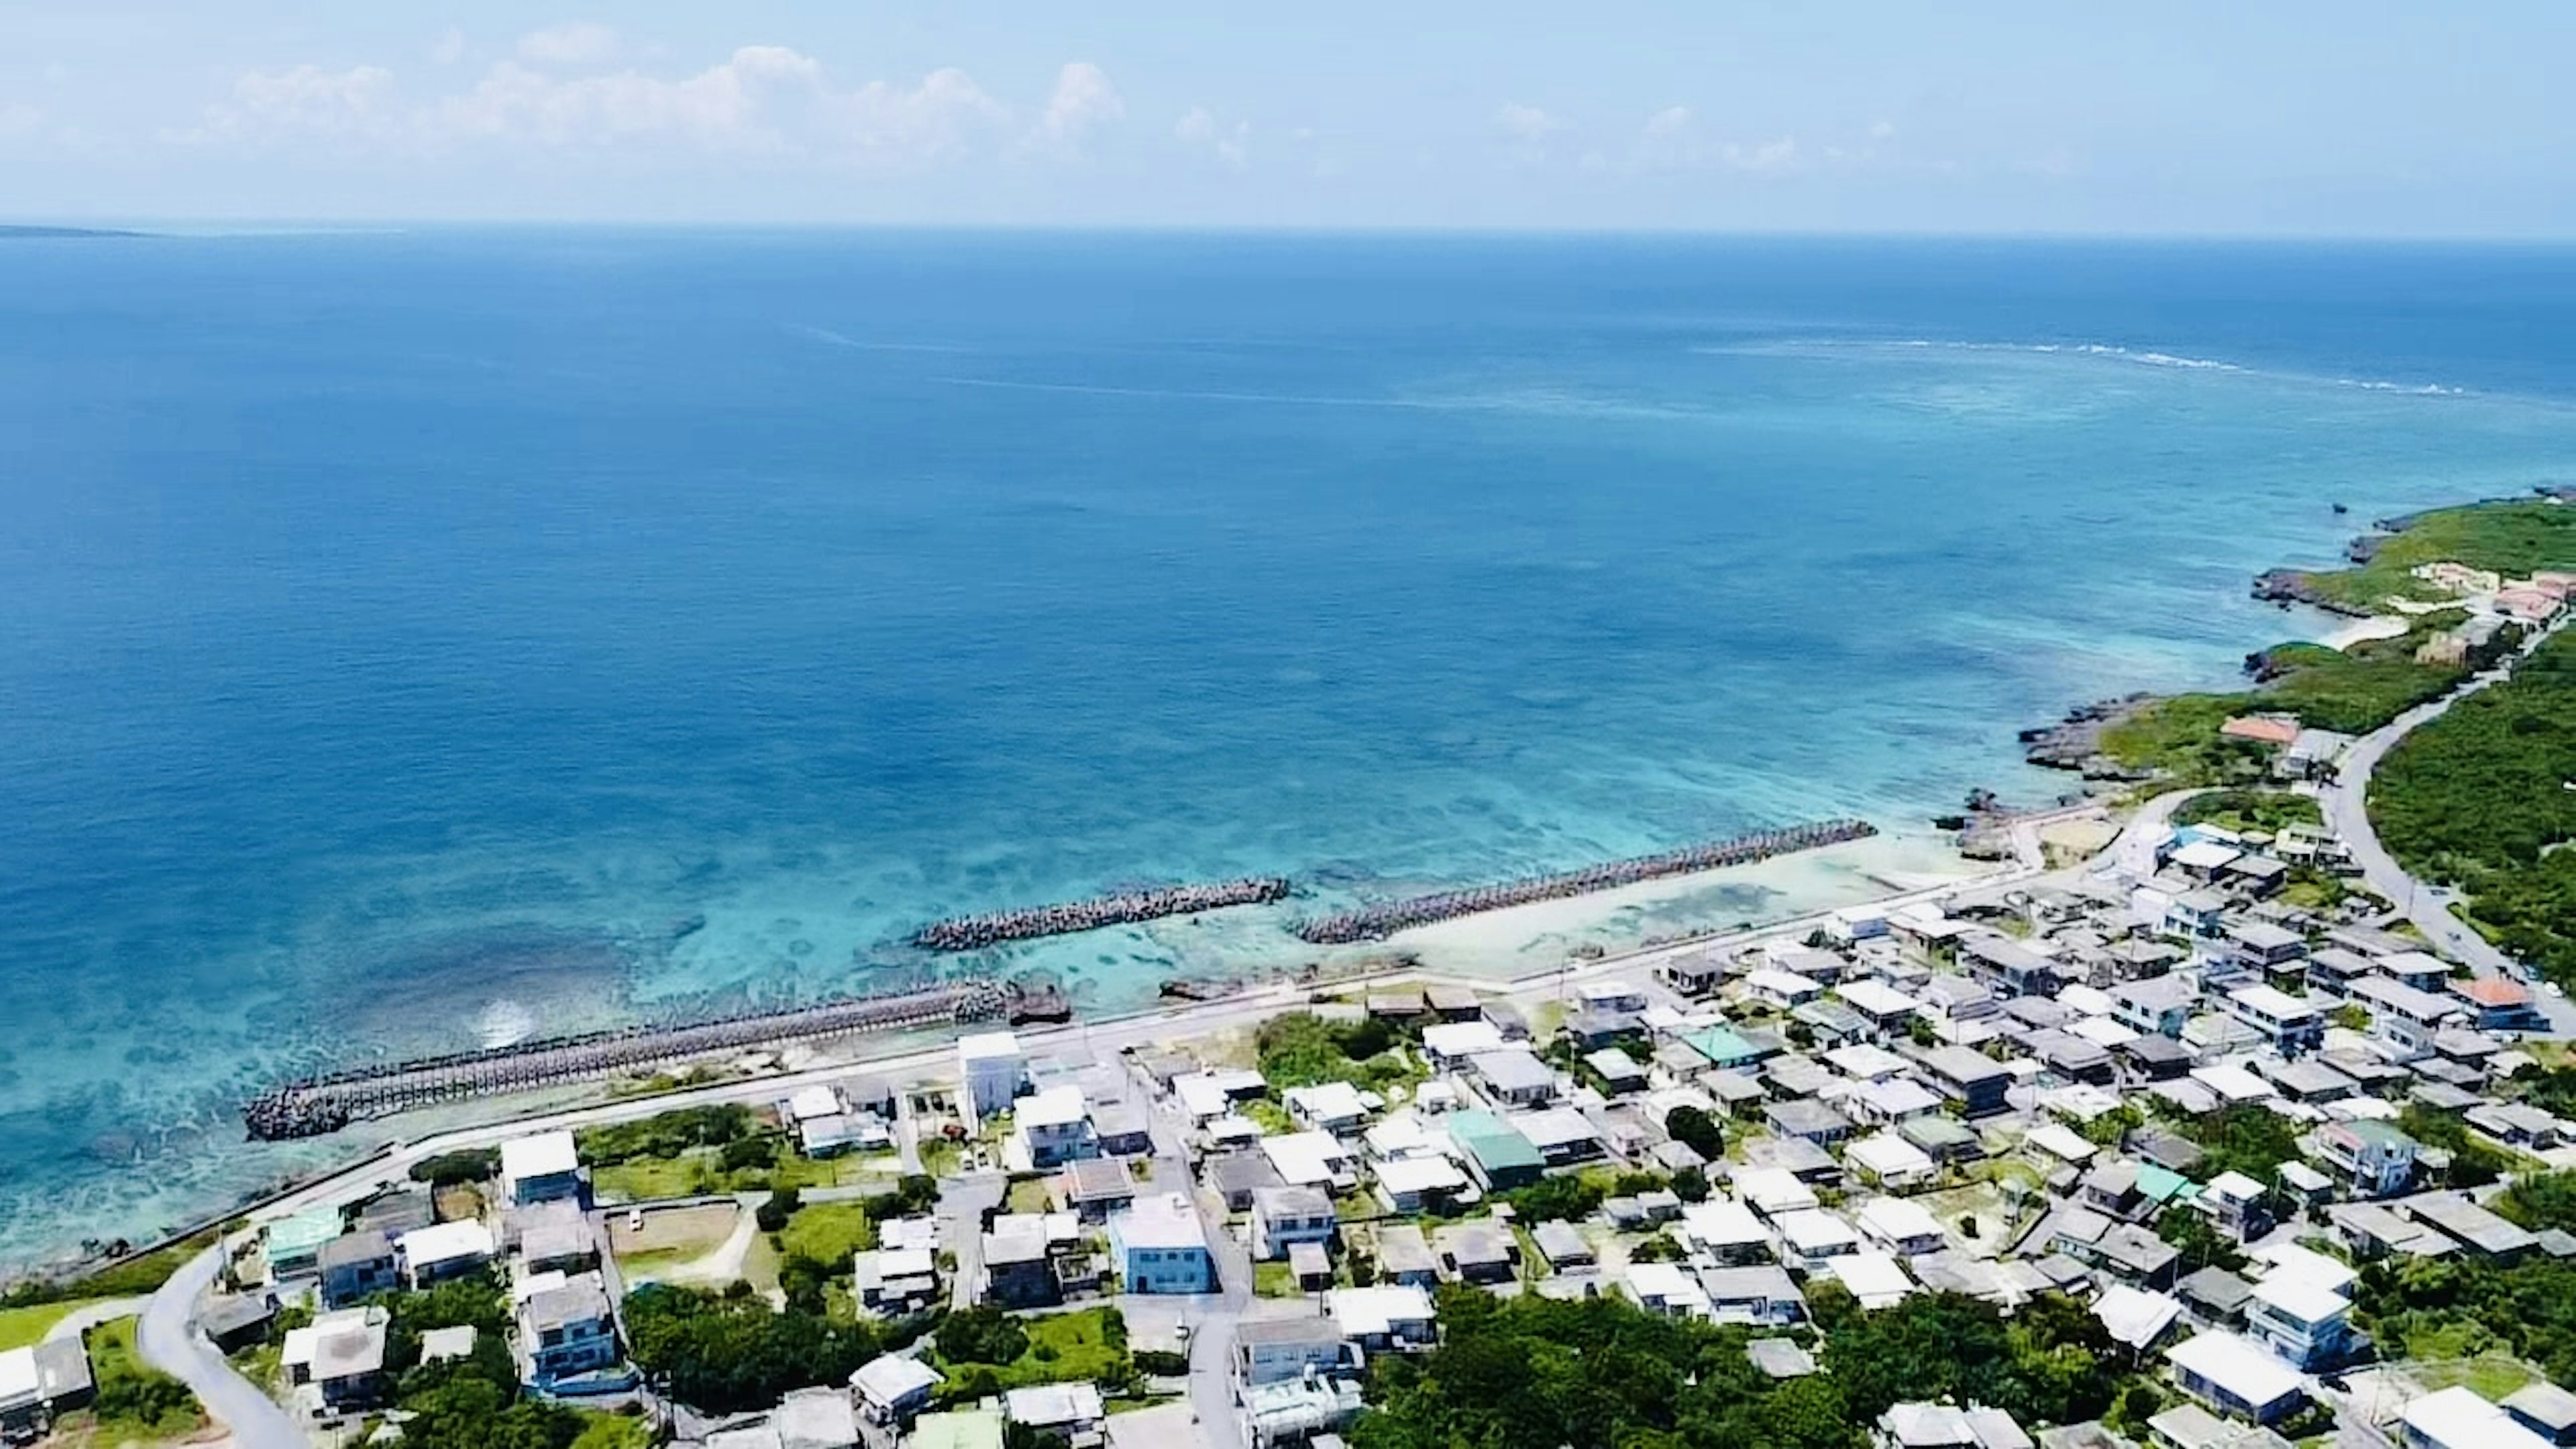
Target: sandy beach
pixel 1538 936
pixel 2349 632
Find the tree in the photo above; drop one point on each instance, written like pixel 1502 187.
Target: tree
pixel 1697 1130
pixel 728 1355
pixel 772 1216
pixel 1562 1198
pixel 981 1334
pixel 2198 1240
pixel 454 1169
pixel 1691 1185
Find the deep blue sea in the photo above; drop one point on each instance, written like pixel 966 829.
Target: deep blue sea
pixel 403 631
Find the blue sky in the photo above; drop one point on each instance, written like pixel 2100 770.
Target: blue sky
pixel 2182 117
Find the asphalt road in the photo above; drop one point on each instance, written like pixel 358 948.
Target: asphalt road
pixel 169 1341
pixel 2425 904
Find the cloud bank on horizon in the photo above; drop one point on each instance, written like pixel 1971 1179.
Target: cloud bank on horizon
pixel 2362 117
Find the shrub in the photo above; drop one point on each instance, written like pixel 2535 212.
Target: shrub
pixel 772 1216
pixel 453 1169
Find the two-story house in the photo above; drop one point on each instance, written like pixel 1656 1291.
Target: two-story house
pixel 1055 1126
pixel 567 1331
pixel 2373 1159
pixel 1160 1246
pixel 357 1266
pixel 1283 1216
pixel 2289 1024
pixel 2303 1321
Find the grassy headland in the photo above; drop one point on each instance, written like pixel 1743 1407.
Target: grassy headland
pixel 2512 536
pixel 2176 741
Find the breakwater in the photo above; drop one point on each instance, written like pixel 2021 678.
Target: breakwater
pixel 1376 923
pixel 1127 908
pixel 319 1105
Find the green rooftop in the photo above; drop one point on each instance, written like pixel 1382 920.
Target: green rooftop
pixel 1493 1142
pixel 2382 1135
pixel 2163 1184
pixel 1723 1046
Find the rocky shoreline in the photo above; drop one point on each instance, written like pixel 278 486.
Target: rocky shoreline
pixel 2074 744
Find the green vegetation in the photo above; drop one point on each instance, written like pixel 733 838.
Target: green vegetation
pixel 2514 538
pixel 1696 1130
pixel 1301 1049
pixel 829 1232
pixel 2474 1161
pixel 2540 1201
pixel 1530 1373
pixel 2178 737
pixel 20 1327
pixel 453 1169
pixel 699 1151
pixel 2479 799
pixel 133 1278
pixel 2198 1240
pixel 1566 1197
pixel 2250 1139
pixel 1274 1280
pixel 475 1402
pixel 2270 811
pixel 2460 1307
pixel 994 1352
pixel 728 1355
pixel 135 1400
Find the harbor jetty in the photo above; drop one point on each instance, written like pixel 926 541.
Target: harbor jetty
pixel 1376 923
pixel 324 1104
pixel 1126 908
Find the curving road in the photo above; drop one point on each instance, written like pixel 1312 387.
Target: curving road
pixel 2427 905
pixel 169 1341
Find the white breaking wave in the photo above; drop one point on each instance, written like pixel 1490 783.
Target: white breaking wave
pixel 2111 352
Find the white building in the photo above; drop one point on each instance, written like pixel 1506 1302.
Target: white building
pixel 2456 1418
pixel 541 1168
pixel 992 1070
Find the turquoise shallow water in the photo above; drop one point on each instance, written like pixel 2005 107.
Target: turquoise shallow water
pixel 405 631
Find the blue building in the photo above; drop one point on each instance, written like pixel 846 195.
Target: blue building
pixel 1160 1246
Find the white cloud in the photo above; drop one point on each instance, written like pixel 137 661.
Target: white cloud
pixel 1883 131
pixel 1779 155
pixel 737 105
pixel 1083 101
pixel 19 120
pixel 1526 124
pixel 762 100
pixel 575 45
pixel 450 47
pixel 304 101
pixel 1199 129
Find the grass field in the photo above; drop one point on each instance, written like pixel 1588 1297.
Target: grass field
pixel 829 1232
pixel 20 1327
pixel 2491 1376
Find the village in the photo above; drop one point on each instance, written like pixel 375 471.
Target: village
pixel 2178 1074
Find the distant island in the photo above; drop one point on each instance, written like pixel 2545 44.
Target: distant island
pixel 59 233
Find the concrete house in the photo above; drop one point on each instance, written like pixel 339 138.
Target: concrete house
pixel 567 1331
pixel 1161 1246
pixel 1282 1216
pixel 358 1265
pixel 542 1168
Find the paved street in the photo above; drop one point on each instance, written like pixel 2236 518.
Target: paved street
pixel 169 1341
pixel 2425 904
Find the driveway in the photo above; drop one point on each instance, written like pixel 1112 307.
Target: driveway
pixel 169 1341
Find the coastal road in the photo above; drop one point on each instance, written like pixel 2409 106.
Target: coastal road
pixel 169 1341
pixel 2428 906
